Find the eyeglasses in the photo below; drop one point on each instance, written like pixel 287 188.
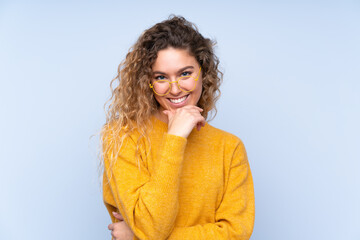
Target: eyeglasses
pixel 185 83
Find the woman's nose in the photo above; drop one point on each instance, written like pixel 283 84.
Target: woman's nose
pixel 175 88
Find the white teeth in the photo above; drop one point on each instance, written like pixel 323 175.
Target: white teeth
pixel 179 100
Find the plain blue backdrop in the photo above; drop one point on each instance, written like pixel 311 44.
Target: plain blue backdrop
pixel 291 92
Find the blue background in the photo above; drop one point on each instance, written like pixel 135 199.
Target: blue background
pixel 290 92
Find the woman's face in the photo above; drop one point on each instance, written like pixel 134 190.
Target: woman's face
pixel 171 64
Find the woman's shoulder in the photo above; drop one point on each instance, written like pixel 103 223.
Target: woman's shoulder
pixel 114 130
pixel 222 136
pixel 229 144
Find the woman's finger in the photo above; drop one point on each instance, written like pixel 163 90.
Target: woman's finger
pixel 193 106
pixel 118 216
pixel 169 113
pixel 111 227
pixel 200 124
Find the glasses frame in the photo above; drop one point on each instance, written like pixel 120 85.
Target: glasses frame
pixel 177 81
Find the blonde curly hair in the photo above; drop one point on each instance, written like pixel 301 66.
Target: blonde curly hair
pixel 132 101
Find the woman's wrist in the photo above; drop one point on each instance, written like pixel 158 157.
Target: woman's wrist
pixel 177 134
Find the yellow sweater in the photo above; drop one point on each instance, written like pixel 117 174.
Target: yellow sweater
pixel 195 188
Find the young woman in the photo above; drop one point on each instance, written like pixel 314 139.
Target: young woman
pixel 168 174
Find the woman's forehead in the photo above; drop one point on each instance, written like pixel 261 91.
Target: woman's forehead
pixel 173 60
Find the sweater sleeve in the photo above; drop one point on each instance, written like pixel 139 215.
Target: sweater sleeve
pixel 234 218
pixel 148 202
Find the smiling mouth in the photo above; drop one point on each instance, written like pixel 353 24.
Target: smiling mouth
pixel 178 100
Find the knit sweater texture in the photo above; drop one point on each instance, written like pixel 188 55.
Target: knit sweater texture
pixel 199 187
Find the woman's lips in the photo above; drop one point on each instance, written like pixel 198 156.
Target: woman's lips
pixel 179 104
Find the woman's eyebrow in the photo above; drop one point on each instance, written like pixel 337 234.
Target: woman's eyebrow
pixel 182 69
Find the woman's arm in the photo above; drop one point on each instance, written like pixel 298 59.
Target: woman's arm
pixel 148 203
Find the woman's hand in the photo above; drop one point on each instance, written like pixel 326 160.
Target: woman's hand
pixel 181 121
pixel 120 230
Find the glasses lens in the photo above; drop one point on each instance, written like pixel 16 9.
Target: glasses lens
pixel 161 87
pixel 187 83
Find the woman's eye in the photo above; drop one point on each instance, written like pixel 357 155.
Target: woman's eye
pixel 159 77
pixel 186 74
